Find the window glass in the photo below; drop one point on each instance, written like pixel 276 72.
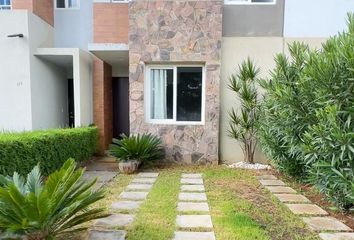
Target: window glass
pixel 73 3
pixel 60 3
pixel 5 4
pixel 189 93
pixel 161 82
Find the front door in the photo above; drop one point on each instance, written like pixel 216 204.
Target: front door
pixel 120 92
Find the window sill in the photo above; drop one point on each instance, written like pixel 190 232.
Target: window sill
pixel 181 123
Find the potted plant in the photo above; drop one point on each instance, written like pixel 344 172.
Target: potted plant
pixel 134 150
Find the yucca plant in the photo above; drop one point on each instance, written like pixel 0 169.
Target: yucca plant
pixel 143 148
pixel 35 209
pixel 243 125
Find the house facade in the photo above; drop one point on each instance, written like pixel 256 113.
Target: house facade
pixel 156 66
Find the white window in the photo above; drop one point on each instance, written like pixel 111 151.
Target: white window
pixel 175 94
pixel 245 2
pixel 65 4
pixel 5 4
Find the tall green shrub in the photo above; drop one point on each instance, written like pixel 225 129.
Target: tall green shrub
pixel 51 148
pixel 307 126
pixel 243 124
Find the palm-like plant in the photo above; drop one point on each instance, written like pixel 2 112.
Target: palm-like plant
pixel 41 210
pixel 143 148
pixel 243 125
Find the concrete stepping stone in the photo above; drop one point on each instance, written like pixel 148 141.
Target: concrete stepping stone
pixel 280 189
pixel 148 175
pixel 192 188
pixel 326 224
pixel 195 181
pixel 192 207
pixel 134 195
pixel 107 235
pixel 115 220
pixel 337 236
pixel 145 187
pixel 267 177
pixel 126 205
pixel 194 221
pixel 306 209
pixel 194 236
pixel 272 182
pixel 144 180
pixel 192 197
pixel 191 175
pixel 293 198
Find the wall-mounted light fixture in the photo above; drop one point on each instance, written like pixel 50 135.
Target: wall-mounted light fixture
pixel 20 35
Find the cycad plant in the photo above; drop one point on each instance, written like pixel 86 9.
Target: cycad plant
pixel 141 147
pixel 243 125
pixel 33 209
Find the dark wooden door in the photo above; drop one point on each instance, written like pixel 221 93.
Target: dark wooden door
pixel 120 91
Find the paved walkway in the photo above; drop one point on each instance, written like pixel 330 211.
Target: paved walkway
pixel 102 168
pixel 123 210
pixel 193 219
pixel 315 217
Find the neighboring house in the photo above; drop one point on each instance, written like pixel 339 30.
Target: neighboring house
pixel 146 66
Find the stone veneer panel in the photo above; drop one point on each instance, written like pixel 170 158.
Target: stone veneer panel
pixel 177 32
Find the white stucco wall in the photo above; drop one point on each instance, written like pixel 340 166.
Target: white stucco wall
pixel 235 50
pixel 86 88
pixel 15 96
pixel 49 87
pixel 315 18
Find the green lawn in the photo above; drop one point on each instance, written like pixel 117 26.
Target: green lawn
pixel 240 208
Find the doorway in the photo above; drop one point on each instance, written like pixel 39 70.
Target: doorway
pixel 120 93
pixel 71 103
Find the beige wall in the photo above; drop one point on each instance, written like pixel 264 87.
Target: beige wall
pixel 234 50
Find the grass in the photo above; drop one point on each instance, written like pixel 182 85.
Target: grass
pixel 240 208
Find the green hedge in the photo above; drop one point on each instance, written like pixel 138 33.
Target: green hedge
pixel 307 122
pixel 51 148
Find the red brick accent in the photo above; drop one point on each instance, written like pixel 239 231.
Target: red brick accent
pixel 42 8
pixel 110 23
pixel 103 102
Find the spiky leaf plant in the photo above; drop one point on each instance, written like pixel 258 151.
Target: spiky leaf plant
pixel 141 147
pixel 35 209
pixel 243 125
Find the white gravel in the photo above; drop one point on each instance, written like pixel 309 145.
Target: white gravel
pixel 244 165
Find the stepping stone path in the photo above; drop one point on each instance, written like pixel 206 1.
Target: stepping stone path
pixel 123 210
pixel 193 221
pixel 314 216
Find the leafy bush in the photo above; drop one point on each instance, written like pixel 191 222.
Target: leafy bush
pixel 243 125
pixel 307 126
pixel 144 148
pixel 42 211
pixel 51 148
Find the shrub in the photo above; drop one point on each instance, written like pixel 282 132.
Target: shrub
pixel 43 211
pixel 144 148
pixel 51 148
pixel 307 126
pixel 243 125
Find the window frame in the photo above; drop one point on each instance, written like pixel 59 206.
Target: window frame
pixel 147 95
pixel 66 3
pixel 249 2
pixel 6 7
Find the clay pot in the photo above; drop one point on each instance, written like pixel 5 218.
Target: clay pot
pixel 128 167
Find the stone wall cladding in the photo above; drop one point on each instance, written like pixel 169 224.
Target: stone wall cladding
pixel 177 32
